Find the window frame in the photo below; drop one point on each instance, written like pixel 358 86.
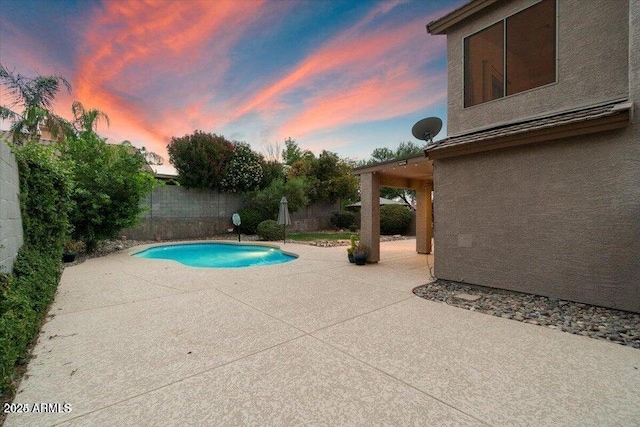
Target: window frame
pixel 504 55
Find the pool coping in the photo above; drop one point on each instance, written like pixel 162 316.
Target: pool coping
pixel 141 248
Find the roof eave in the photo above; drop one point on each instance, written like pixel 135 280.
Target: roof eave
pixel 440 26
pixel 619 120
pixel 389 163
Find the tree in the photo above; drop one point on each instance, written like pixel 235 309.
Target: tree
pixel 273 152
pixel 109 180
pixel 271 170
pixel 404 150
pixel 201 159
pixel 86 120
pixel 267 200
pixel 244 171
pixel 330 178
pixel 34 98
pixel 291 153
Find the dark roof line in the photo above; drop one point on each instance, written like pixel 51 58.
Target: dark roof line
pixel 536 123
pixel 440 26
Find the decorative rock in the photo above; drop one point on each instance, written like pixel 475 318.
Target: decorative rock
pixel 467 297
pixel 582 319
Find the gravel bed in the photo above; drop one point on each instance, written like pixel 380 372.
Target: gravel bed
pixel 332 243
pixel 617 326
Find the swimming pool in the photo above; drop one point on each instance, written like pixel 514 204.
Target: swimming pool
pixel 218 255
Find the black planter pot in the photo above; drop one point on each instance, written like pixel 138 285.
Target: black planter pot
pixel 360 259
pixel 69 256
pixel 351 260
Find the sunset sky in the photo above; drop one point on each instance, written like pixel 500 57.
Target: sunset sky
pixel 345 76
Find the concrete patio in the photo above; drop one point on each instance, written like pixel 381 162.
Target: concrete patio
pixel 139 342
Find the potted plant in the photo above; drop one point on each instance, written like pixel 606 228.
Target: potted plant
pixel 71 249
pixel 351 249
pixel 360 254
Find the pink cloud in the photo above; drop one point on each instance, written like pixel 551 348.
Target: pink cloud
pixel 373 99
pixel 367 72
pixel 142 62
pixel 156 67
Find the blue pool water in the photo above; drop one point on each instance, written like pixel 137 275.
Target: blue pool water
pixel 218 255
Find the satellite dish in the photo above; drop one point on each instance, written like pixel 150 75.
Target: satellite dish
pixel 427 129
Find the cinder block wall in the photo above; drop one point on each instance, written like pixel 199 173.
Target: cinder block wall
pixel 11 237
pixel 175 212
pixel 314 217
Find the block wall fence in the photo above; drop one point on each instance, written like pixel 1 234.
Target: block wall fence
pixel 175 212
pixel 11 237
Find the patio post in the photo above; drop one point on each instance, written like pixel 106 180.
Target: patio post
pixel 424 219
pixel 370 214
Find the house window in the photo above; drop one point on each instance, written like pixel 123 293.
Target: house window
pixel 511 56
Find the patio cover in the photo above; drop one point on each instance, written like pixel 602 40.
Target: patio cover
pixel 383 202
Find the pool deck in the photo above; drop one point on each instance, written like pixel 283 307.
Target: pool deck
pixel 140 342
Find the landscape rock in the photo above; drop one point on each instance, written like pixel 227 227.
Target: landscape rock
pixel 467 297
pixel 616 326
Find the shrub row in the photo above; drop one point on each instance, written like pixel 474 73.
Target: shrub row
pixel 394 219
pixel 343 220
pixel 25 296
pixel 249 220
pixel 45 187
pixel 270 230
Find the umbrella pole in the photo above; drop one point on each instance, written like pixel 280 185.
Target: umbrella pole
pixel 285 234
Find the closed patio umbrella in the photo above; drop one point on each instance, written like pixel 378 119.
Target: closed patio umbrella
pixel 283 216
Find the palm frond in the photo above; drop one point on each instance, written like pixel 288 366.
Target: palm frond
pixel 87 120
pixel 39 91
pixel 15 84
pixel 6 113
pixel 58 126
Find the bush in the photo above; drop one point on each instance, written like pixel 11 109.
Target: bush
pixel 270 230
pixel 343 220
pixel 268 199
pixel 249 220
pixel 45 202
pixel 201 159
pixel 25 295
pixel 271 170
pixel 394 219
pixel 353 228
pixel 244 170
pixel 109 183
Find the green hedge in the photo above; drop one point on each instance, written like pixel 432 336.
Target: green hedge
pixel 394 219
pixel 45 197
pixel 343 220
pixel 25 295
pixel 270 230
pixel 249 220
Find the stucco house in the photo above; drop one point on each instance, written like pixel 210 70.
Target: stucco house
pixel 536 187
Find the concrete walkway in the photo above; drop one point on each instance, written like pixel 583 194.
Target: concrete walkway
pixel 138 342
